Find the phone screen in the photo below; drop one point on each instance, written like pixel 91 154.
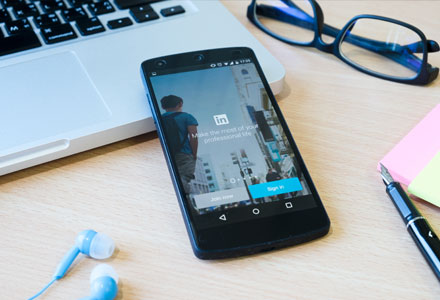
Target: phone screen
pixel 233 158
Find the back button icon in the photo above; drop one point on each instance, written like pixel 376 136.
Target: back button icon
pixel 223 217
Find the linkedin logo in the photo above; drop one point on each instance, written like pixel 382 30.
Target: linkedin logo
pixel 221 119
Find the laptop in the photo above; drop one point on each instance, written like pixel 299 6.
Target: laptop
pixel 70 69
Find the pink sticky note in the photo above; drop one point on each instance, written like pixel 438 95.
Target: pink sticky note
pixel 408 158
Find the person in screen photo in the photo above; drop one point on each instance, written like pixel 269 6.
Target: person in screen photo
pixel 181 130
pixel 272 175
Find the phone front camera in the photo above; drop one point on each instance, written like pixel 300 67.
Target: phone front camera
pixel 199 57
pixel 161 63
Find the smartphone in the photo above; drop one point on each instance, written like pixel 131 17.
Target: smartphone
pixel 240 180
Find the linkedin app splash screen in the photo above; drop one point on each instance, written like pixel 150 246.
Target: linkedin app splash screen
pixel 233 157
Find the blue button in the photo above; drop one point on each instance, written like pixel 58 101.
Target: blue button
pixel 275 187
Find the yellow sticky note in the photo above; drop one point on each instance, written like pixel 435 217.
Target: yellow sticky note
pixel 426 185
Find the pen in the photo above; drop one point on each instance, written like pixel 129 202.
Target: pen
pixel 417 225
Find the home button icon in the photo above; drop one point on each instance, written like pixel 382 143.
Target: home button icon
pixel 256 211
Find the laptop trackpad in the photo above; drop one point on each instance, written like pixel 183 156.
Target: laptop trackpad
pixel 35 107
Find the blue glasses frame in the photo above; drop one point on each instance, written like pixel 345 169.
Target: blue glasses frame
pixel 294 15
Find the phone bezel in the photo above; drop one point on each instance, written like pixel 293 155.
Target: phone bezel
pixel 228 240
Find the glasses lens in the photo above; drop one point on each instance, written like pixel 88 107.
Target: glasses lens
pixel 290 20
pixel 383 47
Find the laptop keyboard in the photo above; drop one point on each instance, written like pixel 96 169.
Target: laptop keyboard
pixel 29 24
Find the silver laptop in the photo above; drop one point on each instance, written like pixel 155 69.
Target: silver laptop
pixel 70 69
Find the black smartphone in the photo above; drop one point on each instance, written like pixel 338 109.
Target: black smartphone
pixel 241 182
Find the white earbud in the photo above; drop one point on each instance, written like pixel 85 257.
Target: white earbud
pixel 89 242
pixel 103 283
pixel 101 245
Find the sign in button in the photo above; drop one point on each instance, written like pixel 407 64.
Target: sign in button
pixel 275 187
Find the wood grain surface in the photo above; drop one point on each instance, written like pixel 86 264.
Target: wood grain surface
pixel 343 121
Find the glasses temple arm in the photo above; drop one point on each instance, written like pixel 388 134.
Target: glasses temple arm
pixel 414 63
pixel 417 47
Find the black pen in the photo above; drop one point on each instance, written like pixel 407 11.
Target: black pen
pixel 417 225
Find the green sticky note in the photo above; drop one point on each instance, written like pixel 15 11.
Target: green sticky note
pixel 426 185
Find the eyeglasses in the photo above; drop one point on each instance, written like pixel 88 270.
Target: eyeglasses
pixel 379 46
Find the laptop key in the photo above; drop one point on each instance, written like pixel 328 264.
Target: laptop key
pixel 17 26
pixel 47 20
pixel 24 40
pixel 123 4
pixel 58 33
pixel 4 15
pixel 171 11
pixel 12 3
pixel 142 14
pixel 26 10
pixel 119 23
pixel 141 8
pixel 52 5
pixel 73 14
pixel 89 26
pixel 100 8
pixel 75 3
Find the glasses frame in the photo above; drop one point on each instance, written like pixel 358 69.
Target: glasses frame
pixel 425 74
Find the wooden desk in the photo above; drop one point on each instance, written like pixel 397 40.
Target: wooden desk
pixel 343 121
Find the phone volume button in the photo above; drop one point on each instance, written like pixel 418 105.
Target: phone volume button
pixel 151 108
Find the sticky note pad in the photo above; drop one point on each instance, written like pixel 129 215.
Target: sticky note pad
pixel 425 185
pixel 415 160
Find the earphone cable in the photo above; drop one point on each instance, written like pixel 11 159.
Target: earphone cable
pixel 43 290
